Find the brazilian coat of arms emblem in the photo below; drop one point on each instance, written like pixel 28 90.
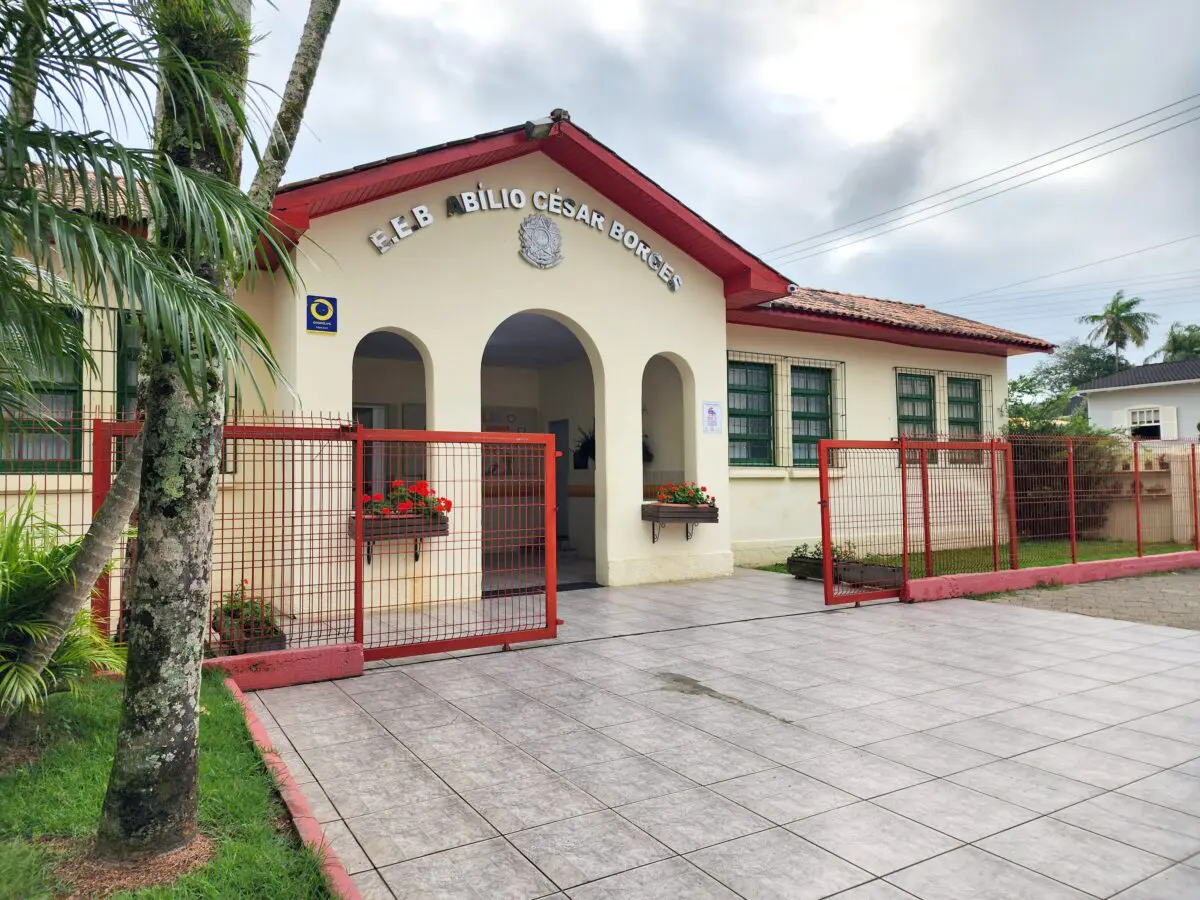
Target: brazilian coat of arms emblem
pixel 541 241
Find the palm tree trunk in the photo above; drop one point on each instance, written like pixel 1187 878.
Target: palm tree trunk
pixel 150 806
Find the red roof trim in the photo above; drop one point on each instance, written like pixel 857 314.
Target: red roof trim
pixel 872 331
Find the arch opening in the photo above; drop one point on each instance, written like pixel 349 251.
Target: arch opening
pixel 390 390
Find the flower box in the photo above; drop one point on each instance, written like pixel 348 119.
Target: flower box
pixel 402 526
pixel 812 568
pixel 666 513
pixel 237 641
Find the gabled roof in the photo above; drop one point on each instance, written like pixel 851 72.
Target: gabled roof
pixel 1143 376
pixel 755 293
pixel 748 280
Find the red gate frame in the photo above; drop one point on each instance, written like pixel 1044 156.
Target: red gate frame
pixel 104 432
pixel 902 446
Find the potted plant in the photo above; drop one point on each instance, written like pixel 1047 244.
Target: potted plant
pixel 808 562
pixel 247 623
pixel 1164 463
pixel 688 503
pixel 405 511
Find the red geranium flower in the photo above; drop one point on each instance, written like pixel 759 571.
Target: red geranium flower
pixel 399 482
pixel 387 510
pixel 404 506
pixel 378 498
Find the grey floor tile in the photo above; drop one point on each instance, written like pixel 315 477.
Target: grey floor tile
pixel 873 838
pixel 1171 789
pixel 404 720
pixel 1147 826
pixel 318 802
pixel 1084 764
pixel 912 713
pixel 854 728
pixel 955 810
pixel 930 754
pixel 356 756
pixel 655 733
pixel 783 795
pixel 1170 725
pixel 415 829
pixel 1175 883
pixel 968 702
pixel 1140 746
pixel 1045 722
pixel 990 737
pixel 353 859
pixel 861 773
pixel 470 771
pixel 627 780
pixel 875 890
pixel 846 694
pixel 382 788
pixel 453 740
pixel 306 703
pixel 777 865
pixel 296 765
pixel 1026 786
pixel 1076 857
pixel 1107 712
pixel 491 869
pixel 786 743
pixel 711 760
pixel 971 873
pixel 324 732
pixel 574 749
pixel 406 693
pixel 666 880
pixel 371 886
pixel 585 848
pixel 689 820
pixel 607 709
pixel 529 802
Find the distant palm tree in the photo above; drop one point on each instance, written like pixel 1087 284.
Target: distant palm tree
pixel 1183 342
pixel 1120 324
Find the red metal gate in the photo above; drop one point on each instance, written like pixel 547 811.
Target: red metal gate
pixel 895 510
pixel 407 542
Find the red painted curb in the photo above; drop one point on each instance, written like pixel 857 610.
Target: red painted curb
pixel 306 823
pixel 944 587
pixel 281 668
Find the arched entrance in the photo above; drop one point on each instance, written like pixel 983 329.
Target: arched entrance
pixel 389 391
pixel 665 434
pixel 536 377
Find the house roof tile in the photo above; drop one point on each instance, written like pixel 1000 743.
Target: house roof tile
pixel 1140 376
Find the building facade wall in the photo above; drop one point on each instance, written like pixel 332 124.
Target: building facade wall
pixel 1179 403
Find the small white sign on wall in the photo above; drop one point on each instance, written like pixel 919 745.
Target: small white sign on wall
pixel 712 417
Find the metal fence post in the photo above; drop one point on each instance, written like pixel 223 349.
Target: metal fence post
pixel 1071 498
pixel 1195 503
pixel 904 567
pixel 101 485
pixel 995 508
pixel 926 524
pixel 550 501
pixel 359 482
pixel 826 529
pixel 1137 494
pixel 1010 481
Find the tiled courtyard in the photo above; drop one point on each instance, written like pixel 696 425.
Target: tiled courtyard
pixel 740 741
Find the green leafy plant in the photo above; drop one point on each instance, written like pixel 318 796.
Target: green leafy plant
pixel 35 559
pixel 841 552
pixel 242 614
pixel 688 493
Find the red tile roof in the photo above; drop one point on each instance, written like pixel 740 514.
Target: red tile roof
pixel 892 313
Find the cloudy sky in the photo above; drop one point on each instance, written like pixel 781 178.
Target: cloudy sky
pixel 781 119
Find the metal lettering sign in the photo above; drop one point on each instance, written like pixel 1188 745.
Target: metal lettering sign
pixel 541 240
pixel 321 314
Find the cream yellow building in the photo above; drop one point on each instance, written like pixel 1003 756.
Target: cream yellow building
pixel 530 280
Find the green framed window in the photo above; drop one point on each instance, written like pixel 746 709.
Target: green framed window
pixel 54 441
pixel 812 408
pixel 751 414
pixel 964 407
pixel 915 397
pixel 129 348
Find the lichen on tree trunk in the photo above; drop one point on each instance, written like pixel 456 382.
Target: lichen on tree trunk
pixel 151 802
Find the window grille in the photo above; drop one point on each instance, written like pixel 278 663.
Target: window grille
pixel 930 402
pixel 781 406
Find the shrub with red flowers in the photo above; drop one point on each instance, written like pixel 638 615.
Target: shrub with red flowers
pixel 403 499
pixel 688 493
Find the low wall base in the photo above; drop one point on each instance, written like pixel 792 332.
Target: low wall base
pixel 280 668
pixel 944 587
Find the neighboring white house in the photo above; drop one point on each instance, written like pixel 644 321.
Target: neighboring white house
pixel 1152 402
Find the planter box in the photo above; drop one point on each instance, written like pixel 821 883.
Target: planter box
pixel 855 573
pixel 412 525
pixel 666 513
pixel 237 642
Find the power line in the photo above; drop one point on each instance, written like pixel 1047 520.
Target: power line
pixel 1023 162
pixel 1107 259
pixel 1130 282
pixel 1044 311
pixel 1131 287
pixel 840 246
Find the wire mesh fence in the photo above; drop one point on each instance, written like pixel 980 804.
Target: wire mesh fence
pixel 457 550
pixel 956 507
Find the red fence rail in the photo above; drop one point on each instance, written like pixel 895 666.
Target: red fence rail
pixel 300 559
pixel 956 507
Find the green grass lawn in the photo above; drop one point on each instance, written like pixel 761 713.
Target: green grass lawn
pixel 1031 554
pixel 258 854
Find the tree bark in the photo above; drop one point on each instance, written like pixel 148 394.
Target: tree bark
pixel 150 806
pixel 295 99
pixel 93 555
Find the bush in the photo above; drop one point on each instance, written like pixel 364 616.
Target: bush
pixel 35 559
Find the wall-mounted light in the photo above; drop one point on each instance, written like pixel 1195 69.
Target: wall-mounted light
pixel 536 129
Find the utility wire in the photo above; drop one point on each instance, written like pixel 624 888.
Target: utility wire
pixel 1130 287
pixel 1129 282
pixel 840 246
pixel 1023 162
pixel 1107 259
